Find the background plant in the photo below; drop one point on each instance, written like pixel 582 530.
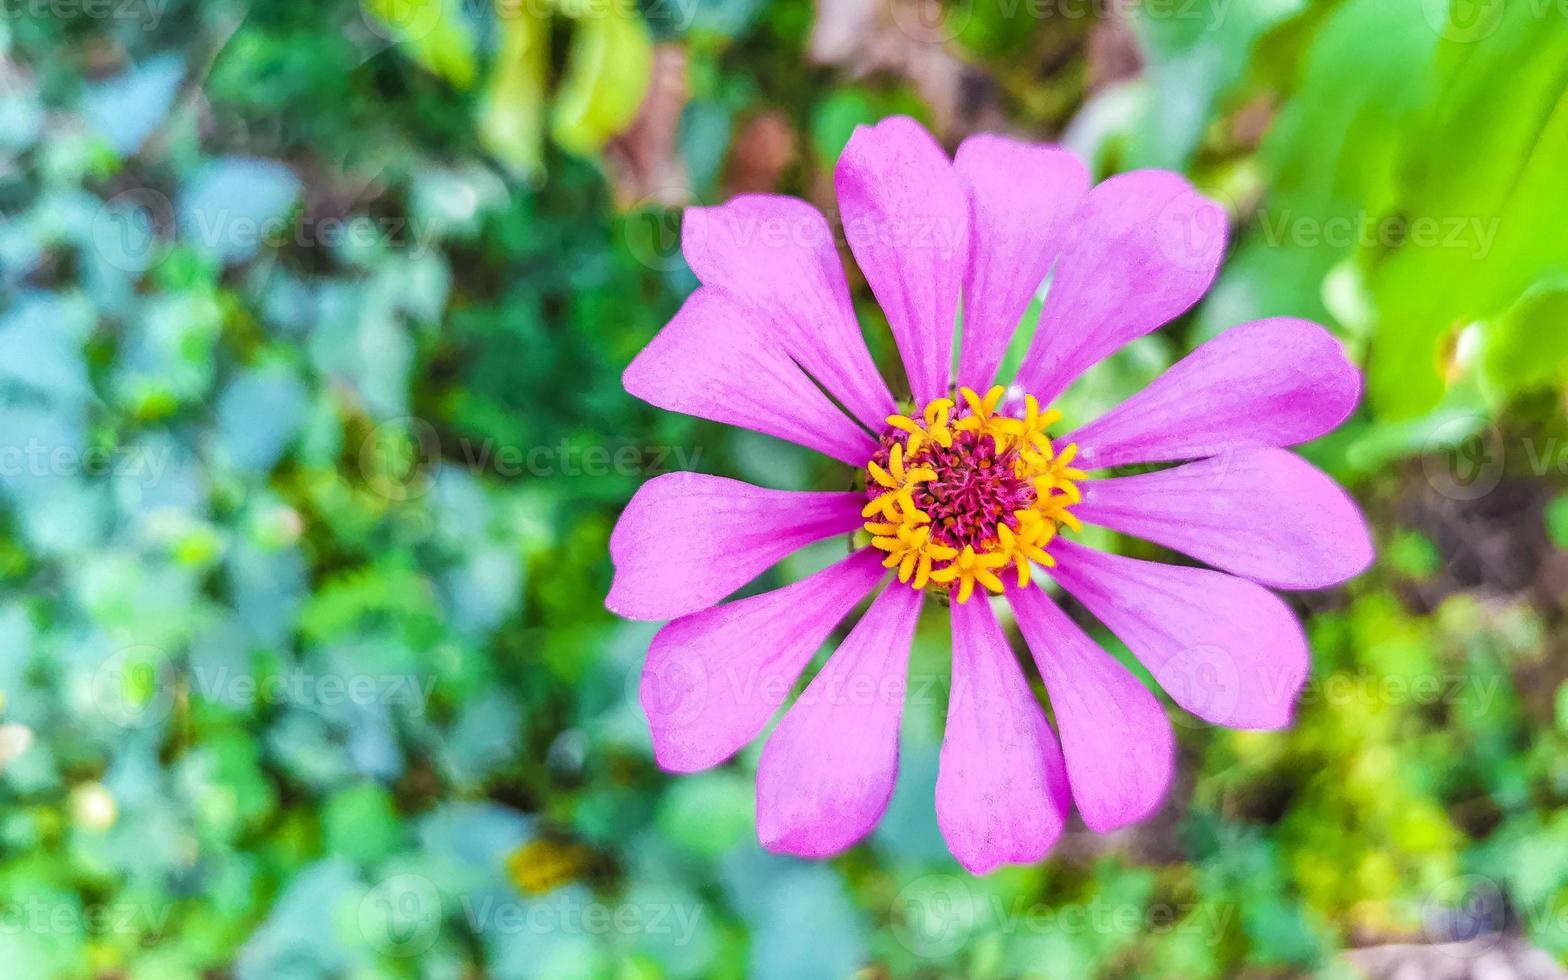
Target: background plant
pixel 312 318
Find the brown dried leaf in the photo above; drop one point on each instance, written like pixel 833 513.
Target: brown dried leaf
pixel 767 144
pixel 644 161
pixel 911 39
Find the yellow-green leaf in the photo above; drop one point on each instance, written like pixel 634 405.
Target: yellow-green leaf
pixel 1527 347
pixel 1482 199
pixel 511 122
pixel 435 34
pixel 607 74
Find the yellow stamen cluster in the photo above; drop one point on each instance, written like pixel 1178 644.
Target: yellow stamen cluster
pixel 908 494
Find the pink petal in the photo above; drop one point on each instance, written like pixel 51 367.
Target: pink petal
pixel 714 678
pixel 1022 198
pixel 1267 383
pixel 776 256
pixel 1146 249
pixel 1263 514
pixel 827 771
pixel 1001 789
pixel 713 361
pixel 687 540
pixel 1118 743
pixel 907 221
pixel 1225 649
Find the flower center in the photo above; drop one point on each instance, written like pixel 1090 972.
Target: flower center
pixel 959 492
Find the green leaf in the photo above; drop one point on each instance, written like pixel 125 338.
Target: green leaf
pixel 1557 521
pixel 1327 161
pixel 708 813
pixel 435 33
pixel 1414 554
pixel 1193 59
pixel 361 823
pixel 835 118
pixel 607 75
pixel 1527 347
pixel 1481 197
pixel 511 122
pixel 833 121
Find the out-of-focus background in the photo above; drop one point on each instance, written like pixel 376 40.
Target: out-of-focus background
pixel 312 318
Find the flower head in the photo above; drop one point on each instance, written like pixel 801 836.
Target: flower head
pixel 973 493
pixel 968 492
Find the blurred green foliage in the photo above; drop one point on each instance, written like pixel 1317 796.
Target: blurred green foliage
pixel 312 318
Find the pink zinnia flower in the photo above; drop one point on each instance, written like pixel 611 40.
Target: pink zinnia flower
pixel 966 493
